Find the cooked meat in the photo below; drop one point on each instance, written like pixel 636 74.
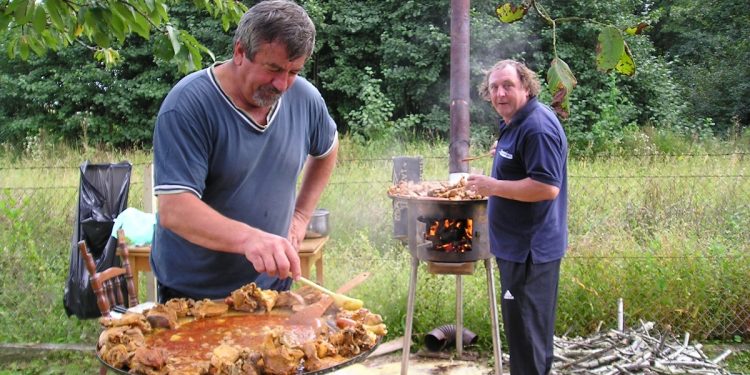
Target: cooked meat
pixel 251 298
pixel 312 361
pixel 130 338
pixel 207 308
pixel 162 316
pixel 122 343
pixel 117 356
pixel 289 299
pixel 181 306
pixel 281 360
pixel 435 189
pixel 187 366
pixel 309 294
pixel 128 319
pixel 224 360
pixel 149 361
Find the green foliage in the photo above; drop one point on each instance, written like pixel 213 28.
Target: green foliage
pixel 373 121
pixel 691 84
pixel 29 26
pixel 67 97
pixel 708 48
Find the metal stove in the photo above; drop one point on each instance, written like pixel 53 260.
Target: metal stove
pixel 451 237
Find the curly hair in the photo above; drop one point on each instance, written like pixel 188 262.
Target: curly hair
pixel 276 20
pixel 527 77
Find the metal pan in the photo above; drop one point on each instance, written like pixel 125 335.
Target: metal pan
pixel 356 359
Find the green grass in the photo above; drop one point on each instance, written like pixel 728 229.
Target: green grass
pixel 665 233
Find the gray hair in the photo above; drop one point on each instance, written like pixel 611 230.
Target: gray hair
pixel 527 77
pixel 276 20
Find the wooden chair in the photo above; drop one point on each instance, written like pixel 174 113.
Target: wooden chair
pixel 107 284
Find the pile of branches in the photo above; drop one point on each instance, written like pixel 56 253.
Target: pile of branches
pixel 634 351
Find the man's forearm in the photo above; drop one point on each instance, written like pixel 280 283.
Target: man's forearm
pixel 315 178
pixel 525 190
pixel 195 221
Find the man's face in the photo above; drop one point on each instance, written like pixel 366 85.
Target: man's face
pixel 506 92
pixel 268 75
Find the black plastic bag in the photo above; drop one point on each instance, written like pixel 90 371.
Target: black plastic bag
pixel 102 195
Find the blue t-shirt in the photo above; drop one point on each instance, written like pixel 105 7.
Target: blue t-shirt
pixel 534 146
pixel 206 145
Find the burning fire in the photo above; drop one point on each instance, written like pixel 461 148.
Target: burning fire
pixel 450 235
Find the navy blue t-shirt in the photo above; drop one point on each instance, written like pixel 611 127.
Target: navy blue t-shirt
pixel 205 145
pixel 534 146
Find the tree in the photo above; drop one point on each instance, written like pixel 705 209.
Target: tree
pixel 103 26
pixel 708 45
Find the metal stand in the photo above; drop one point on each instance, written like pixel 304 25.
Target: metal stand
pixel 459 317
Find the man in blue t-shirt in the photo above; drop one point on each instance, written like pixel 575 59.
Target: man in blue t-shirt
pixel 527 212
pixel 229 144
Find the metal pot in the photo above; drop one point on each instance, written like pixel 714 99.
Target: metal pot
pixel 318 226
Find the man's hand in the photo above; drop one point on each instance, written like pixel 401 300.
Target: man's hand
pixel 480 184
pixel 273 255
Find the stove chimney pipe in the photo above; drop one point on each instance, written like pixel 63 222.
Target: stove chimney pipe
pixel 459 133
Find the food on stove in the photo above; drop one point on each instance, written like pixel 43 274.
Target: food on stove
pixel 434 189
pixel 183 336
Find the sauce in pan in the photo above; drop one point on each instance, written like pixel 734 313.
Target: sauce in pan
pixel 196 339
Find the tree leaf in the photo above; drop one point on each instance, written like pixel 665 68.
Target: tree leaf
pixel 23 44
pixel 4 20
pixel 40 19
pixel 609 49
pixel 637 29
pixel 20 11
pixel 626 65
pixel 55 13
pixel 174 40
pixel 509 13
pixel 561 81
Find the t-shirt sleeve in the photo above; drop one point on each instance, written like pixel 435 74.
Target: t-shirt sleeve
pixel 181 154
pixel 544 158
pixel 323 135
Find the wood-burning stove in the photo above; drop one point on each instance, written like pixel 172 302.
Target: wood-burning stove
pixel 450 236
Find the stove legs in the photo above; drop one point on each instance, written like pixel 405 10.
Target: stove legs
pixel 493 312
pixel 459 317
pixel 409 316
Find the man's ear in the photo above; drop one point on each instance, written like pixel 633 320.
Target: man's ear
pixel 239 53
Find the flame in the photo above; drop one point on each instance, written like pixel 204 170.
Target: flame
pixel 450 235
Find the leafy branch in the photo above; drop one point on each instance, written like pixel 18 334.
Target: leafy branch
pixel 612 52
pixel 30 26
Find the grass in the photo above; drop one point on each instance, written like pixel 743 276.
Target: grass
pixel 665 233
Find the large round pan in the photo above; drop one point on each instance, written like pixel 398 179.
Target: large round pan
pixel 356 359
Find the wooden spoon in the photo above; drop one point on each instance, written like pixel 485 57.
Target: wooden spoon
pixel 340 300
pixel 309 314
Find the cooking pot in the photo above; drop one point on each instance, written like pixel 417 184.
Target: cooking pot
pixel 318 226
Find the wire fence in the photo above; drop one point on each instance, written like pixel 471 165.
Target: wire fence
pixel 667 234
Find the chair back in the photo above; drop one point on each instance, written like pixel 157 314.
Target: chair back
pixel 108 284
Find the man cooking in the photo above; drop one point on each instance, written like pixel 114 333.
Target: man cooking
pixel 229 144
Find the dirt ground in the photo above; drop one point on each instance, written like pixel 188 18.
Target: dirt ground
pixel 387 361
pixel 391 364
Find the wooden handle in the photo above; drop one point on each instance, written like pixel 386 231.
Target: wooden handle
pixel 351 284
pixel 477 157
